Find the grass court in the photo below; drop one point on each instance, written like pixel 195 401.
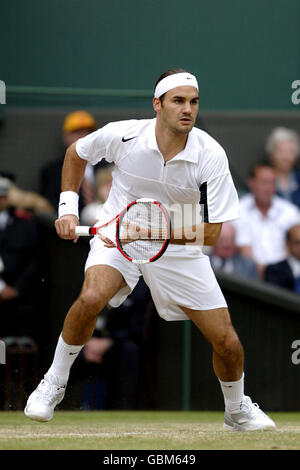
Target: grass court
pixel 142 430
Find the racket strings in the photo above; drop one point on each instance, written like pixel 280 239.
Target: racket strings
pixel 143 230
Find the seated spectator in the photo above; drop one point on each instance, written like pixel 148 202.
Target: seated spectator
pixel 76 125
pixel 28 200
pixel 264 219
pixel 109 363
pixel 19 263
pixel 283 148
pixel 89 214
pixel 225 256
pixel 286 273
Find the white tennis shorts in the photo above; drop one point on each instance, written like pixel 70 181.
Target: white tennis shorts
pixel 181 277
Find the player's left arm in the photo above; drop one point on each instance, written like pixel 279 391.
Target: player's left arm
pixel 218 199
pixel 203 234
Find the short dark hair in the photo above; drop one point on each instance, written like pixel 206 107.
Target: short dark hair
pixel 166 74
pixel 252 172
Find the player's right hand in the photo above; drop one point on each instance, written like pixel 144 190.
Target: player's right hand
pixel 65 227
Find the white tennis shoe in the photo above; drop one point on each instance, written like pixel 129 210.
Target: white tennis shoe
pixel 41 403
pixel 249 418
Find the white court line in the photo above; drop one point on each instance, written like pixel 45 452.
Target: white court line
pixel 29 435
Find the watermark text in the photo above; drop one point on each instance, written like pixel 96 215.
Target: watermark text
pixel 2 92
pixel 2 352
pixel 296 354
pixel 295 97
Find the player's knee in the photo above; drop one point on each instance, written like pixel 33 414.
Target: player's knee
pixel 92 301
pixel 228 345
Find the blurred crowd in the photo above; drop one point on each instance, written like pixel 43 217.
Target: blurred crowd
pixel 263 245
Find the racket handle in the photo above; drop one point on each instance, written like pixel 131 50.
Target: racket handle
pixel 83 231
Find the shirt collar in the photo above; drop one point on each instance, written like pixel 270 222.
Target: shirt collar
pixel 189 153
pixel 151 138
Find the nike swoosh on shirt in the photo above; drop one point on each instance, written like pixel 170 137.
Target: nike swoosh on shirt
pixel 130 138
pixel 62 203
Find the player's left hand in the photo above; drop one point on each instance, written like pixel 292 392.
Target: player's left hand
pixel 108 243
pixel 132 232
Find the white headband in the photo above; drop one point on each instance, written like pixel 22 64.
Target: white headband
pixel 173 81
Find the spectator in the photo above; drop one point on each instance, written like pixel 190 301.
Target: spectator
pixel 28 200
pixel 111 359
pixel 264 219
pixel 76 125
pixel 103 182
pixel 287 272
pixel 283 148
pixel 225 256
pixel 19 263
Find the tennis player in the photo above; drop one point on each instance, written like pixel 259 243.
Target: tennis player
pixel 169 160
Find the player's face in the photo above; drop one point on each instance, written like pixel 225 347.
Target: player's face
pixel 179 109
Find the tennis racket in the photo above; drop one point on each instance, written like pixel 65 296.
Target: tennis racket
pixel 141 232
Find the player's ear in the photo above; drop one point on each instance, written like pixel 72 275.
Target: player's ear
pixel 156 104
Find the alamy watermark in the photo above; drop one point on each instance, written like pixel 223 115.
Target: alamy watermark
pixel 296 354
pixel 2 92
pixel 295 97
pixel 2 352
pixel 186 223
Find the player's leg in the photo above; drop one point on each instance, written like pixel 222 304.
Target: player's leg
pixel 101 283
pixel 216 327
pixel 228 362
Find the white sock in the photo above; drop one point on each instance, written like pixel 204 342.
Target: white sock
pixel 233 394
pixel 64 357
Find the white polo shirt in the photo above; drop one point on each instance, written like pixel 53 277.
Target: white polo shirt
pixel 265 234
pixel 199 172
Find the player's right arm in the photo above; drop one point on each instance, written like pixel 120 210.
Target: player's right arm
pixel 72 175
